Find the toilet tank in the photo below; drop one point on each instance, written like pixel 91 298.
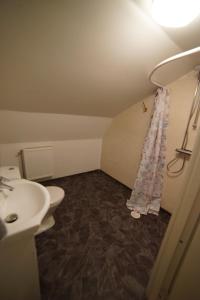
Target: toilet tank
pixel 10 172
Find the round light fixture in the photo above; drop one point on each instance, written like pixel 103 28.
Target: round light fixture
pixel 175 13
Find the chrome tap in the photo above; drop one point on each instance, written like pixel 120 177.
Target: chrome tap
pixel 3 185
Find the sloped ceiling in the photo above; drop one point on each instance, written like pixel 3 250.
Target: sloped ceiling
pixel 36 127
pixel 88 57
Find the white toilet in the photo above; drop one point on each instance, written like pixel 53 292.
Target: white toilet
pixel 56 196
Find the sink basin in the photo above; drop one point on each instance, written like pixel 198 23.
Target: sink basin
pixel 28 202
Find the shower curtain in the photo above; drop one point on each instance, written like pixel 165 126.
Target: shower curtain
pixel 147 190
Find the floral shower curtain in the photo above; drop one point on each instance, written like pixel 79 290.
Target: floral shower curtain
pixel 147 190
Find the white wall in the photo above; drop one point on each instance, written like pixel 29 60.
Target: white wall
pixel 76 140
pixel 70 156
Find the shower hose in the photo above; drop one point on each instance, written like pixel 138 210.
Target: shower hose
pixel 194 108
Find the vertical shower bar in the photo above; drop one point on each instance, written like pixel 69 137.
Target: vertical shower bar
pixel 198 106
pixel 192 110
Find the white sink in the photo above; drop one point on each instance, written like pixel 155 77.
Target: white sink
pixel 29 201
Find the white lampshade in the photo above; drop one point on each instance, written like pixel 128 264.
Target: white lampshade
pixel 175 13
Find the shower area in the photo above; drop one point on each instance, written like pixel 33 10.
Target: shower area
pixel 124 141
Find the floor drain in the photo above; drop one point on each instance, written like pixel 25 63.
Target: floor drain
pixel 11 218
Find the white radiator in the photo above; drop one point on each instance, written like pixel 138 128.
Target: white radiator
pixel 38 162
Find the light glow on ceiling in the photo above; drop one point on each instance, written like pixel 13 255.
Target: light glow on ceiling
pixel 175 13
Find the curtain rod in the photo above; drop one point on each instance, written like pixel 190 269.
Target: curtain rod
pixel 168 60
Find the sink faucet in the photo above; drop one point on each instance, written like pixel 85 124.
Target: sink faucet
pixel 3 185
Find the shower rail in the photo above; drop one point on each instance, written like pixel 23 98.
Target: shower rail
pixel 168 60
pixel 195 107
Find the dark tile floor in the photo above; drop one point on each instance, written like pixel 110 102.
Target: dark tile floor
pixel 97 250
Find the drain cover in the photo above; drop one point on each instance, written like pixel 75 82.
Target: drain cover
pixel 11 218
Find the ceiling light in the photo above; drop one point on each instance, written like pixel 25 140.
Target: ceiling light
pixel 175 13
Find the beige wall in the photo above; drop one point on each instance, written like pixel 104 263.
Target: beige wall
pixel 123 141
pixel 186 284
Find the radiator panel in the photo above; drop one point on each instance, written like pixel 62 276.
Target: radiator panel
pixel 38 162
